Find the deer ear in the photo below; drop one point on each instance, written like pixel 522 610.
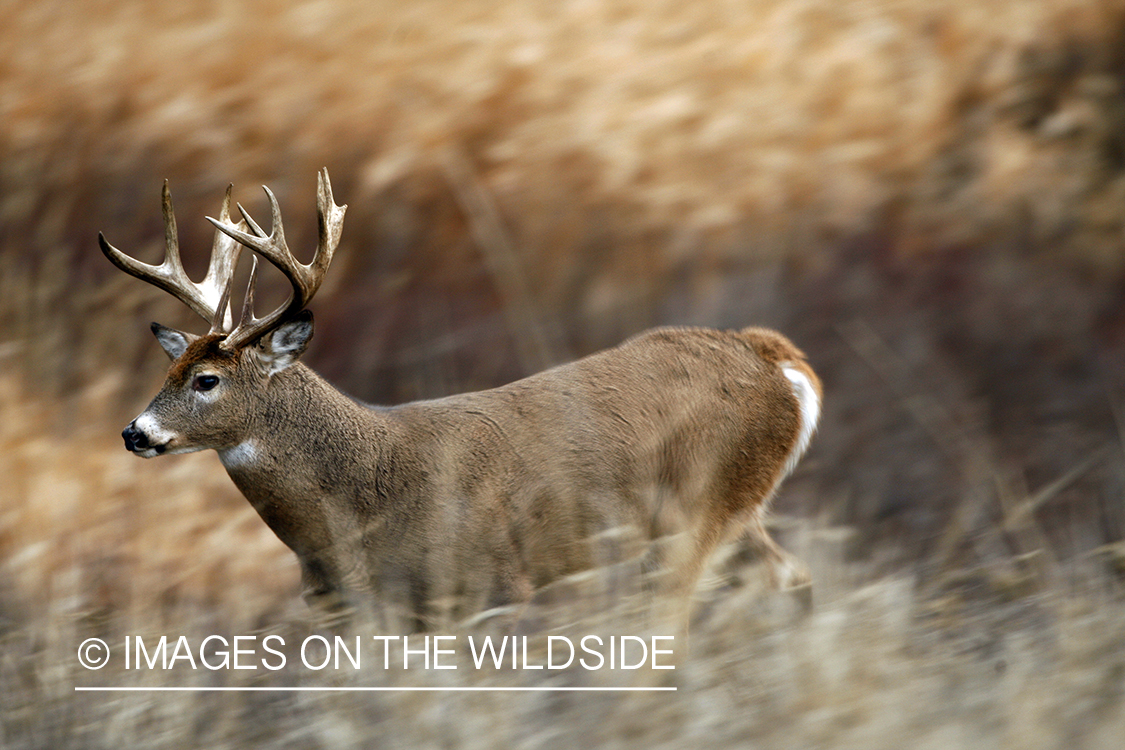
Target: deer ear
pixel 281 347
pixel 173 342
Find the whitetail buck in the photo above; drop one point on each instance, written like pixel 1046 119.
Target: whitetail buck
pixel 475 499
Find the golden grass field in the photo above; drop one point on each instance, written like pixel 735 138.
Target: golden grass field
pixel 927 197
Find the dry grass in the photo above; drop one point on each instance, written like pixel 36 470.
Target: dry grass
pixel 706 117
pixel 625 145
pixel 927 196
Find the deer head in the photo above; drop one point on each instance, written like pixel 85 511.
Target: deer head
pixel 209 393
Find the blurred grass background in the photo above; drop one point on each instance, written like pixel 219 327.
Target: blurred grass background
pixel 927 197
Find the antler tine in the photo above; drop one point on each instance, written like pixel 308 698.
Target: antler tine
pixel 171 233
pixel 258 231
pixel 203 298
pixel 330 221
pixel 221 321
pixel 220 272
pixel 305 279
pixel 247 318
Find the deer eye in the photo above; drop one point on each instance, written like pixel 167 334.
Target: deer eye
pixel 205 382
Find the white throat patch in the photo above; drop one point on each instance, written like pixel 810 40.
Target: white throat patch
pixel 242 455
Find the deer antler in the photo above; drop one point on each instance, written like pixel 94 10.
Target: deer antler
pixel 305 279
pixel 209 298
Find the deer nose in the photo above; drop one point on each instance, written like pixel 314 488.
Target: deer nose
pixel 135 440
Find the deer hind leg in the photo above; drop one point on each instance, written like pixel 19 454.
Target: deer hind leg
pixel 783 570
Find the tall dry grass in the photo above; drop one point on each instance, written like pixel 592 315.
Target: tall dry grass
pixel 926 196
pixel 714 119
pixel 624 145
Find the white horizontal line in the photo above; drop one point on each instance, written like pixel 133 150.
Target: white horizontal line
pixel 298 689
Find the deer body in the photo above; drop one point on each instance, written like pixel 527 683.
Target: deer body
pixel 446 507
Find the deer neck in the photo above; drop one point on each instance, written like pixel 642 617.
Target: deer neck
pixel 306 458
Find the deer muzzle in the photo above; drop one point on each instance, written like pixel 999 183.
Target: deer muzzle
pixel 136 441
